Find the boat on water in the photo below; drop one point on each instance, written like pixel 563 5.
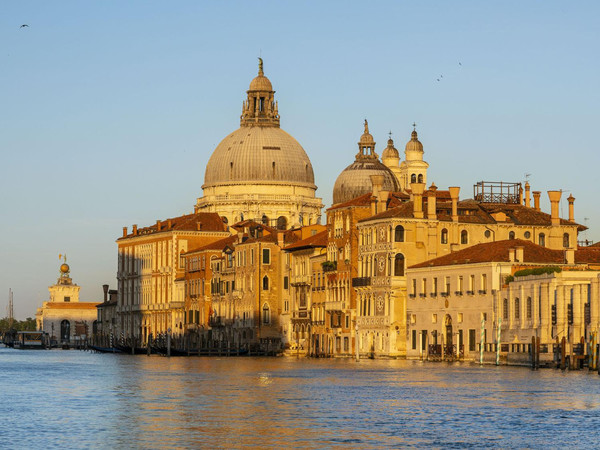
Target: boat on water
pixel 31 340
pixel 99 349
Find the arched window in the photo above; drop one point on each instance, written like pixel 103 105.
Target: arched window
pixel 444 239
pixel 542 239
pixel 399 234
pixel 265 283
pixel 281 223
pixel 420 178
pixel 517 310
pixel 265 220
pixel 566 240
pixel 399 265
pixel 464 237
pixel 65 330
pixel 413 178
pixel 511 235
pixel 529 308
pixel 266 314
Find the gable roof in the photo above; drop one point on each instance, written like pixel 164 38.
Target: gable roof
pixel 497 252
pixel 316 240
pixel 203 221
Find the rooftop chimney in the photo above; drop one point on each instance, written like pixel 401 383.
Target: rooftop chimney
pixel 417 192
pixel 280 239
pixel 571 200
pixel 570 256
pixel 454 191
pixel 520 194
pixel 527 198
pixel 157 224
pixel 519 254
pixel 511 254
pixel 105 289
pixel 536 200
pixel 169 224
pixel 198 226
pixel 432 202
pixel 554 201
pixel 377 182
pixel 124 231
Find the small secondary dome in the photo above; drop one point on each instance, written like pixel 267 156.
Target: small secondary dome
pixel 414 145
pixel 355 180
pixel 390 151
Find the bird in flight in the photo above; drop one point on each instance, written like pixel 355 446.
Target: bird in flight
pixel 24 25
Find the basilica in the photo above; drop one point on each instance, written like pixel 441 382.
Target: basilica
pixel 254 267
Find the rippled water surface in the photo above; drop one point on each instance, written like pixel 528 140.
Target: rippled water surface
pixel 76 399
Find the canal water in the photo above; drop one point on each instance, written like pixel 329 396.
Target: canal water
pixel 74 399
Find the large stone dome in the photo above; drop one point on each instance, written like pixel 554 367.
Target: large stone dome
pixel 355 180
pixel 254 154
pixel 259 171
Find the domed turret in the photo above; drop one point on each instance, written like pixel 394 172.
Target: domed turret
pixel 413 169
pixel 355 180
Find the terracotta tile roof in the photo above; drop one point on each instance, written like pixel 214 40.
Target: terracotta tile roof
pixel 190 222
pixel 497 252
pixel 363 200
pixel 471 211
pixel 216 245
pixel 74 305
pixel 587 255
pixel 252 224
pixel 316 240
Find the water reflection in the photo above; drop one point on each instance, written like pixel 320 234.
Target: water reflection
pixel 78 399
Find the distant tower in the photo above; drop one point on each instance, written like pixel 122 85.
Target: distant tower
pixel 413 169
pixel 64 290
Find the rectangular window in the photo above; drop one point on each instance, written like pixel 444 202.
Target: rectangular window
pixel 483 284
pixel 67 299
pixel 460 317
pixel 424 287
pixel 460 284
pixel 423 340
pixel 346 344
pixel 414 339
pixel 286 282
pixel 472 343
pixel 472 283
pixel 414 287
pixel 434 318
pixel 448 285
pixel 347 320
pixel 252 257
pixel 460 339
pixel 266 256
pixel 435 287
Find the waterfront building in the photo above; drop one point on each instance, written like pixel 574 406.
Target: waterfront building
pixel 550 306
pixel 149 299
pixel 259 171
pixel 199 286
pixel 433 224
pixel 450 299
pixel 107 317
pixel 65 318
pixel 310 317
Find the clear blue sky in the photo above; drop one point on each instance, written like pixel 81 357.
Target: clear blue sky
pixel 109 110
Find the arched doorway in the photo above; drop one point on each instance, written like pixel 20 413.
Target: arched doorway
pixel 65 331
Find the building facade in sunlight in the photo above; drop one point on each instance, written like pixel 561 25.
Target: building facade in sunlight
pixel 64 317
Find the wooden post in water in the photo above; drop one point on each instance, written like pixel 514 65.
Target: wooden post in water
pixel 169 342
pixel 563 351
pixel 594 350
pixel 533 350
pixel 537 352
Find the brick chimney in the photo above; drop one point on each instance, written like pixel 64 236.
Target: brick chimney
pixel 454 191
pixel 536 200
pixel 105 289
pixel 511 254
pixel 124 231
pixel 554 197
pixel 527 198
pixel 157 224
pixel 571 200
pixel 570 255
pixel 377 182
pixel 432 202
pixel 417 190
pixel 519 254
pixel 169 224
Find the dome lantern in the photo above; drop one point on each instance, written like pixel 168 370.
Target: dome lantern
pixel 260 108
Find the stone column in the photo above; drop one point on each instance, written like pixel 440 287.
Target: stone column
pixel 561 312
pixel 578 317
pixel 594 303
